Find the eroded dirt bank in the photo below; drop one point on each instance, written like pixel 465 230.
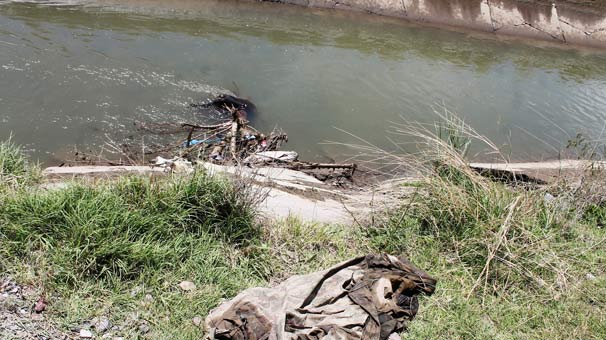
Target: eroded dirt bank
pixel 578 22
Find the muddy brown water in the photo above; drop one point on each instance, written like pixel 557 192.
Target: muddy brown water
pixel 78 74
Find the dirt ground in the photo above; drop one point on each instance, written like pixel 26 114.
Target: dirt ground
pixel 18 318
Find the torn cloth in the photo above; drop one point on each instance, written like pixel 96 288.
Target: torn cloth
pixel 366 298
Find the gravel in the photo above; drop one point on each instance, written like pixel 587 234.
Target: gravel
pixel 18 320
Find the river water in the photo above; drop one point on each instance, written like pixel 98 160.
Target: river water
pixel 78 74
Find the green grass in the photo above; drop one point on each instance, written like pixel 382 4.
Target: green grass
pixel 14 166
pixel 536 284
pixel 595 214
pixel 510 265
pixel 93 245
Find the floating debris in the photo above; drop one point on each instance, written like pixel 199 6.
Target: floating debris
pixel 230 141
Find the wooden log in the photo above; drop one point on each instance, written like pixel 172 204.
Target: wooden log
pixel 313 166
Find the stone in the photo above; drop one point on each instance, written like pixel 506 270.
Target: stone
pixel 86 334
pixel 590 276
pixel 160 161
pixel 136 291
pixel 37 317
pixel 180 166
pixel 144 328
pixel 197 320
pixel 40 305
pixel 21 335
pixel 101 324
pixel 148 298
pixel 187 286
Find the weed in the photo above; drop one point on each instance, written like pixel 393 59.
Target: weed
pixel 14 167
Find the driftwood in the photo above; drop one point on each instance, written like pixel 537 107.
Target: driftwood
pixel 313 166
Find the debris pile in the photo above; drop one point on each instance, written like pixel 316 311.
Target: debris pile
pixel 233 141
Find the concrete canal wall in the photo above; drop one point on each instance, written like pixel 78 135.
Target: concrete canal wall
pixel 579 22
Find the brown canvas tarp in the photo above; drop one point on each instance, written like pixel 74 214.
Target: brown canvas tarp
pixel 371 297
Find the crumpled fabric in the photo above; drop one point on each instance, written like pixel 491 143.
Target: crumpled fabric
pixel 368 298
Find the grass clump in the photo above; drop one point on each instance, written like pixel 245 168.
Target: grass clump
pixel 121 248
pixel 509 265
pixel 510 262
pixel 119 229
pixel 14 166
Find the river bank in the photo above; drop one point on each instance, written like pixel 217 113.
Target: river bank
pixel 570 22
pixel 141 257
pixel 294 194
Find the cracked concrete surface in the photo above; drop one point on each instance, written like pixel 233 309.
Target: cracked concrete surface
pixel 561 21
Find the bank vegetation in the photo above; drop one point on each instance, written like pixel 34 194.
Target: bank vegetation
pixel 512 260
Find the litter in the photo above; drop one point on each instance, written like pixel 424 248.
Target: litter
pixel 234 141
pixel 368 298
pixel 229 140
pixel 268 157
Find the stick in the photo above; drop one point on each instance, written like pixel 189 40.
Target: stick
pixel 206 127
pixel 188 144
pixel 235 125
